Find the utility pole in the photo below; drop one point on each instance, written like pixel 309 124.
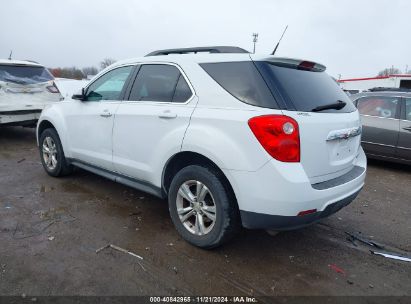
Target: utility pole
pixel 255 39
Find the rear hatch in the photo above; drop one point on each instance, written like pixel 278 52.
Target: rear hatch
pixel 26 87
pixel 329 123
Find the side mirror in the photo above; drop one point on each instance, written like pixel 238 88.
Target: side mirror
pixel 79 95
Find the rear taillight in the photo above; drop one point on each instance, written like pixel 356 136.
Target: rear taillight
pixel 306 65
pixel 53 88
pixel 279 136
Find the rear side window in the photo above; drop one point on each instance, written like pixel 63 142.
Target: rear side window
pixel 160 82
pixel 304 90
pixel 182 92
pixel 243 81
pixel 380 106
pixel 22 74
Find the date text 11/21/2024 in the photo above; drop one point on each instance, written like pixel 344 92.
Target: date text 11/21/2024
pixel 203 299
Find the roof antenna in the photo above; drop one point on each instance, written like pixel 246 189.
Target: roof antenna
pixel 276 47
pixel 11 53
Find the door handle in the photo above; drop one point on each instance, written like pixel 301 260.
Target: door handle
pixel 106 114
pixel 167 115
pixel 407 129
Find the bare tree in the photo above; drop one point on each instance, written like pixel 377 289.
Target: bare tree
pixel 389 71
pixel 106 62
pixel 71 73
pixel 91 70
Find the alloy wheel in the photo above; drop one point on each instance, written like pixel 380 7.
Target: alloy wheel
pixel 196 207
pixel 49 150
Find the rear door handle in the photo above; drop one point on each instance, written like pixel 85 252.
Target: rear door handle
pixel 167 115
pixel 407 129
pixel 106 113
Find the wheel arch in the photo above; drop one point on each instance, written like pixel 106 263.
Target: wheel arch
pixel 43 125
pixel 186 158
pixel 47 123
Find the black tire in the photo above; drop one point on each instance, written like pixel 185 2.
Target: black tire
pixel 62 168
pixel 227 217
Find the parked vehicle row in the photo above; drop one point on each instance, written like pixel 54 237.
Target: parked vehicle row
pixel 229 138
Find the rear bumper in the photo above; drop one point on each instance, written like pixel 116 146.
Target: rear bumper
pixel 19 117
pixel 273 196
pixel 252 220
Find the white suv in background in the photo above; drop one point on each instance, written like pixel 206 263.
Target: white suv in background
pixel 26 87
pixel 231 139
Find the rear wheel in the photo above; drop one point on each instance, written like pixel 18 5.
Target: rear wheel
pixel 52 154
pixel 202 207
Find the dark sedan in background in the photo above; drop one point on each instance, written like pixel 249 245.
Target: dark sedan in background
pixel 386 120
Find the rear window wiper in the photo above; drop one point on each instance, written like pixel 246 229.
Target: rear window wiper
pixel 336 105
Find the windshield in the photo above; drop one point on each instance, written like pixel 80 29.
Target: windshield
pixel 22 74
pixel 305 90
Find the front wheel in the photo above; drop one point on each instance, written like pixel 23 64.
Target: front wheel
pixel 202 207
pixel 52 154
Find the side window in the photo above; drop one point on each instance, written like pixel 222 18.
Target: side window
pixel 182 92
pixel 159 82
pixel 243 81
pixel 379 106
pixel 408 109
pixel 109 86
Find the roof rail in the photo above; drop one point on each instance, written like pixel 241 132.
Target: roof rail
pixel 32 61
pixel 382 89
pixel 195 50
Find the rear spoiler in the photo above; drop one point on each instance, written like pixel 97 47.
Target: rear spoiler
pixel 295 63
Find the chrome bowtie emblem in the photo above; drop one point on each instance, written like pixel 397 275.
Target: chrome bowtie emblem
pixel 344 133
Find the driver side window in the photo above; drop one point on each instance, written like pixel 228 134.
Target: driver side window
pixel 109 86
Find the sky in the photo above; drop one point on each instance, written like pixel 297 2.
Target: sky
pixel 353 38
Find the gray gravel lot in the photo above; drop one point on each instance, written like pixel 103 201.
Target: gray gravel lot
pixel 50 229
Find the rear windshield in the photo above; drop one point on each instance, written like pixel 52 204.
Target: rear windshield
pixel 264 84
pixel 24 74
pixel 305 90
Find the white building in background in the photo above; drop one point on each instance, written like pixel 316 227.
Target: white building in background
pixel 355 85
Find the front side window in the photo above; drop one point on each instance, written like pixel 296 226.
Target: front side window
pixel 379 106
pixel 161 83
pixel 110 85
pixel 408 109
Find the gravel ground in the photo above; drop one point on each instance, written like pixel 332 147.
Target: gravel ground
pixel 50 229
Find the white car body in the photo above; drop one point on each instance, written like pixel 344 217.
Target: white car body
pixel 132 142
pixel 22 98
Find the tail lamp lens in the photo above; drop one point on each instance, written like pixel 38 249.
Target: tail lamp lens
pixel 279 136
pixel 53 88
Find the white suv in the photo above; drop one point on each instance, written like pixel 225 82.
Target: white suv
pixel 230 138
